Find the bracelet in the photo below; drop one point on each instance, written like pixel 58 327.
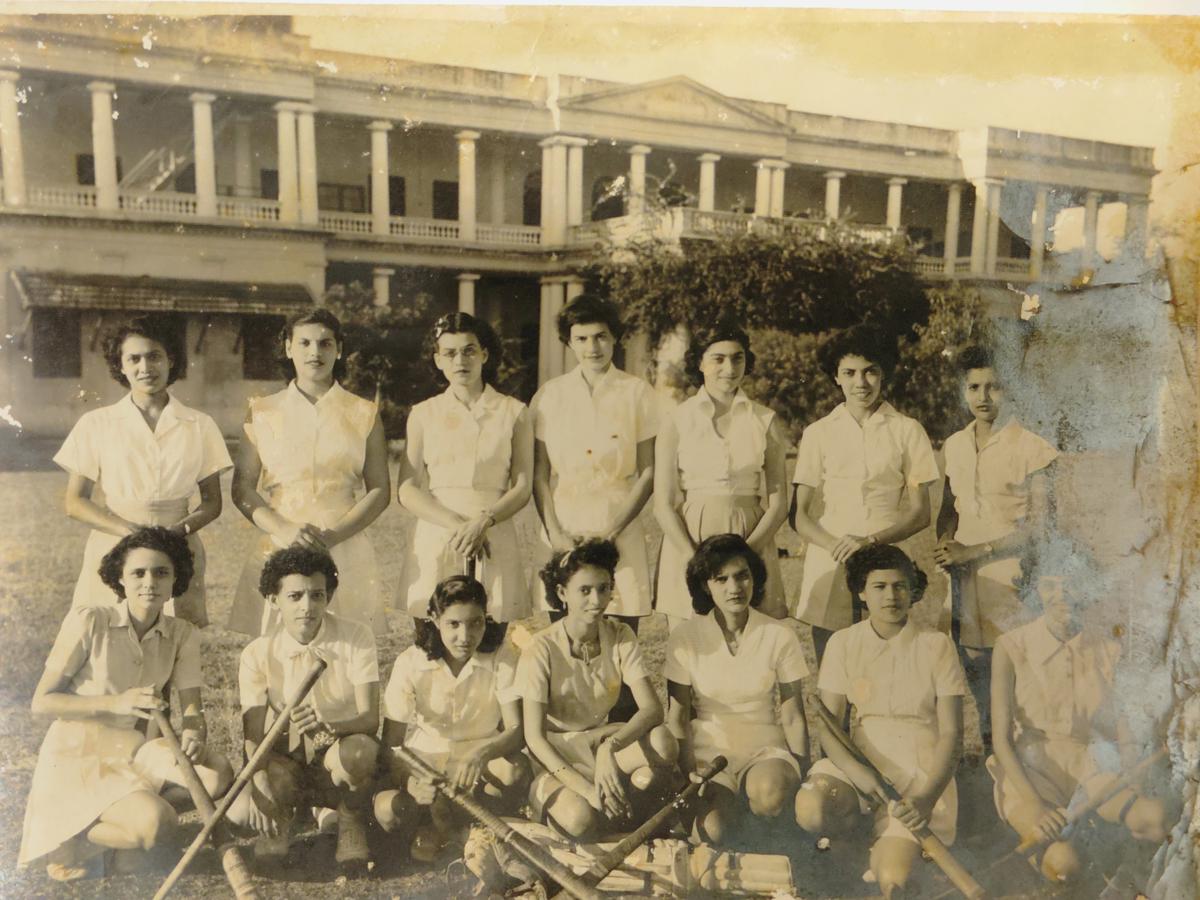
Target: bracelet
pixel 490 518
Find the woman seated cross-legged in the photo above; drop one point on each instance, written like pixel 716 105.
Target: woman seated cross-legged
pixel 595 774
pixel 725 668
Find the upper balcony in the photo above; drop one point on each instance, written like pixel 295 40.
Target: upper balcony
pixel 93 150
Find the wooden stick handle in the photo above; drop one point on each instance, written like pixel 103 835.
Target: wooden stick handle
pixel 951 867
pixel 243 778
pixel 529 851
pixel 1030 844
pixel 231 857
pixel 938 852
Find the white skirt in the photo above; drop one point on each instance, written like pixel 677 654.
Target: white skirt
pixel 428 560
pixel 83 768
pixel 358 596
pixel 590 513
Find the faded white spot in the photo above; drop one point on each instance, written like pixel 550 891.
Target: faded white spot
pixel 7 416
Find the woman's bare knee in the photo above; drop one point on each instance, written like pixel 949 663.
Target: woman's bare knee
pixel 892 862
pixel 664 749
pixel 1147 820
pixel 574 815
pixel 769 788
pixel 216 774
pixel 825 804
pixel 1061 862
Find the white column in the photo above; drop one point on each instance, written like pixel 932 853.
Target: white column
pixel 708 181
pixel 558 192
pixel 995 185
pixel 573 288
pixel 289 195
pixel 575 180
pixel 466 292
pixel 497 181
pixel 467 205
pixel 762 187
pixel 1137 226
pixel 547 186
pixel 243 157
pixel 1037 232
pixel 979 226
pixel 953 213
pixel 205 161
pixel 381 200
pixel 833 194
pixel 778 168
pixel 637 178
pixel 307 163
pixel 104 144
pixel 895 201
pixel 10 141
pixel 1091 219
pixel 550 349
pixel 383 285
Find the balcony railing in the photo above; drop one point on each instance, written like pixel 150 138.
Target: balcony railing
pixel 162 203
pixel 352 223
pixel 436 229
pixel 520 235
pixel 73 197
pixel 248 209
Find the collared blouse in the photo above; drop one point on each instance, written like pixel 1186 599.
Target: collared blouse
pixel 310 450
pixel 591 436
pixel 900 678
pixel 578 695
pixel 442 707
pixel 467 446
pixel 991 485
pixel 1059 686
pixel 99 651
pixel 274 665
pixel 113 447
pixel 864 470
pixel 710 463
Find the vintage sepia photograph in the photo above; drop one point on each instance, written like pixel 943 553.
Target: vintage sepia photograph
pixel 531 451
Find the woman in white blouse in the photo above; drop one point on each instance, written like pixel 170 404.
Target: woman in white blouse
pixel 312 471
pixel 149 454
pixel 467 470
pixel 718 469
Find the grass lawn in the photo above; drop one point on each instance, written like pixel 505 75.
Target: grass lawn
pixel 40 552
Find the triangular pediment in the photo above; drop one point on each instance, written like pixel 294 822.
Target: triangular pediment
pixel 678 99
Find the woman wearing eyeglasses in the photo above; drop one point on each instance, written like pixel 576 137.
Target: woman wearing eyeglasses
pixel 467 470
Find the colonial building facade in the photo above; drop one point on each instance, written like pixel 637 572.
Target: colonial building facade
pixel 226 172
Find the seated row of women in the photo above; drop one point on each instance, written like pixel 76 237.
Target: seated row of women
pixel 533 729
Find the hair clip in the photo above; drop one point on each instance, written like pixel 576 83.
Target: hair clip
pixel 566 559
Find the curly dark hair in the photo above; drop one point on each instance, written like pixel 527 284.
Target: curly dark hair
pixel 557 572
pixel 297 561
pixel 154 537
pixel 160 329
pixel 465 323
pixel 457 589
pixel 588 309
pixel 710 557
pixel 316 316
pixel 974 357
pixel 705 337
pixel 868 341
pixel 876 557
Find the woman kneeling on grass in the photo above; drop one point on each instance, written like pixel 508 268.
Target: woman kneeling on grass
pixel 570 676
pixel 724 669
pixel 452 702
pixel 98 780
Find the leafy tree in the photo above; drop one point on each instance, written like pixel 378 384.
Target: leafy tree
pixel 791 289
